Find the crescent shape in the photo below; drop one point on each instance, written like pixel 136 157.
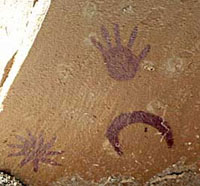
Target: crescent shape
pixel 126 119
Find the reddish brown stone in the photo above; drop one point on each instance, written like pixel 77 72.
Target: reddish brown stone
pixel 64 89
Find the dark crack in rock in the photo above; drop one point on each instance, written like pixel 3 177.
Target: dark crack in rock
pixel 177 174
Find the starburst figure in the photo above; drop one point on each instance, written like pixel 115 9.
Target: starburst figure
pixel 35 150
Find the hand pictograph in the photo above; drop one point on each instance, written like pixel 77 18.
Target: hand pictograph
pixel 121 63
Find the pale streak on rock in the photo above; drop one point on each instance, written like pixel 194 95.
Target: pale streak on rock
pixel 156 107
pixel 18 38
pixel 89 10
pixel 173 67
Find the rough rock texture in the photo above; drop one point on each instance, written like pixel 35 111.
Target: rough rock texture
pixel 8 180
pixel 64 90
pixel 175 175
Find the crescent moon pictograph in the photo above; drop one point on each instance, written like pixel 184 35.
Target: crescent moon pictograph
pixel 126 119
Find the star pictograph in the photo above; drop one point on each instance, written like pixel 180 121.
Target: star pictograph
pixel 35 150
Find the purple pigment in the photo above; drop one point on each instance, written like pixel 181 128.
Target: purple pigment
pixel 121 63
pixel 126 119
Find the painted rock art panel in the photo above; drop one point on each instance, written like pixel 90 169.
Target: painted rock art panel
pixel 83 74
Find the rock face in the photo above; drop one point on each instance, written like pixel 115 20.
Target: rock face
pixel 64 100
